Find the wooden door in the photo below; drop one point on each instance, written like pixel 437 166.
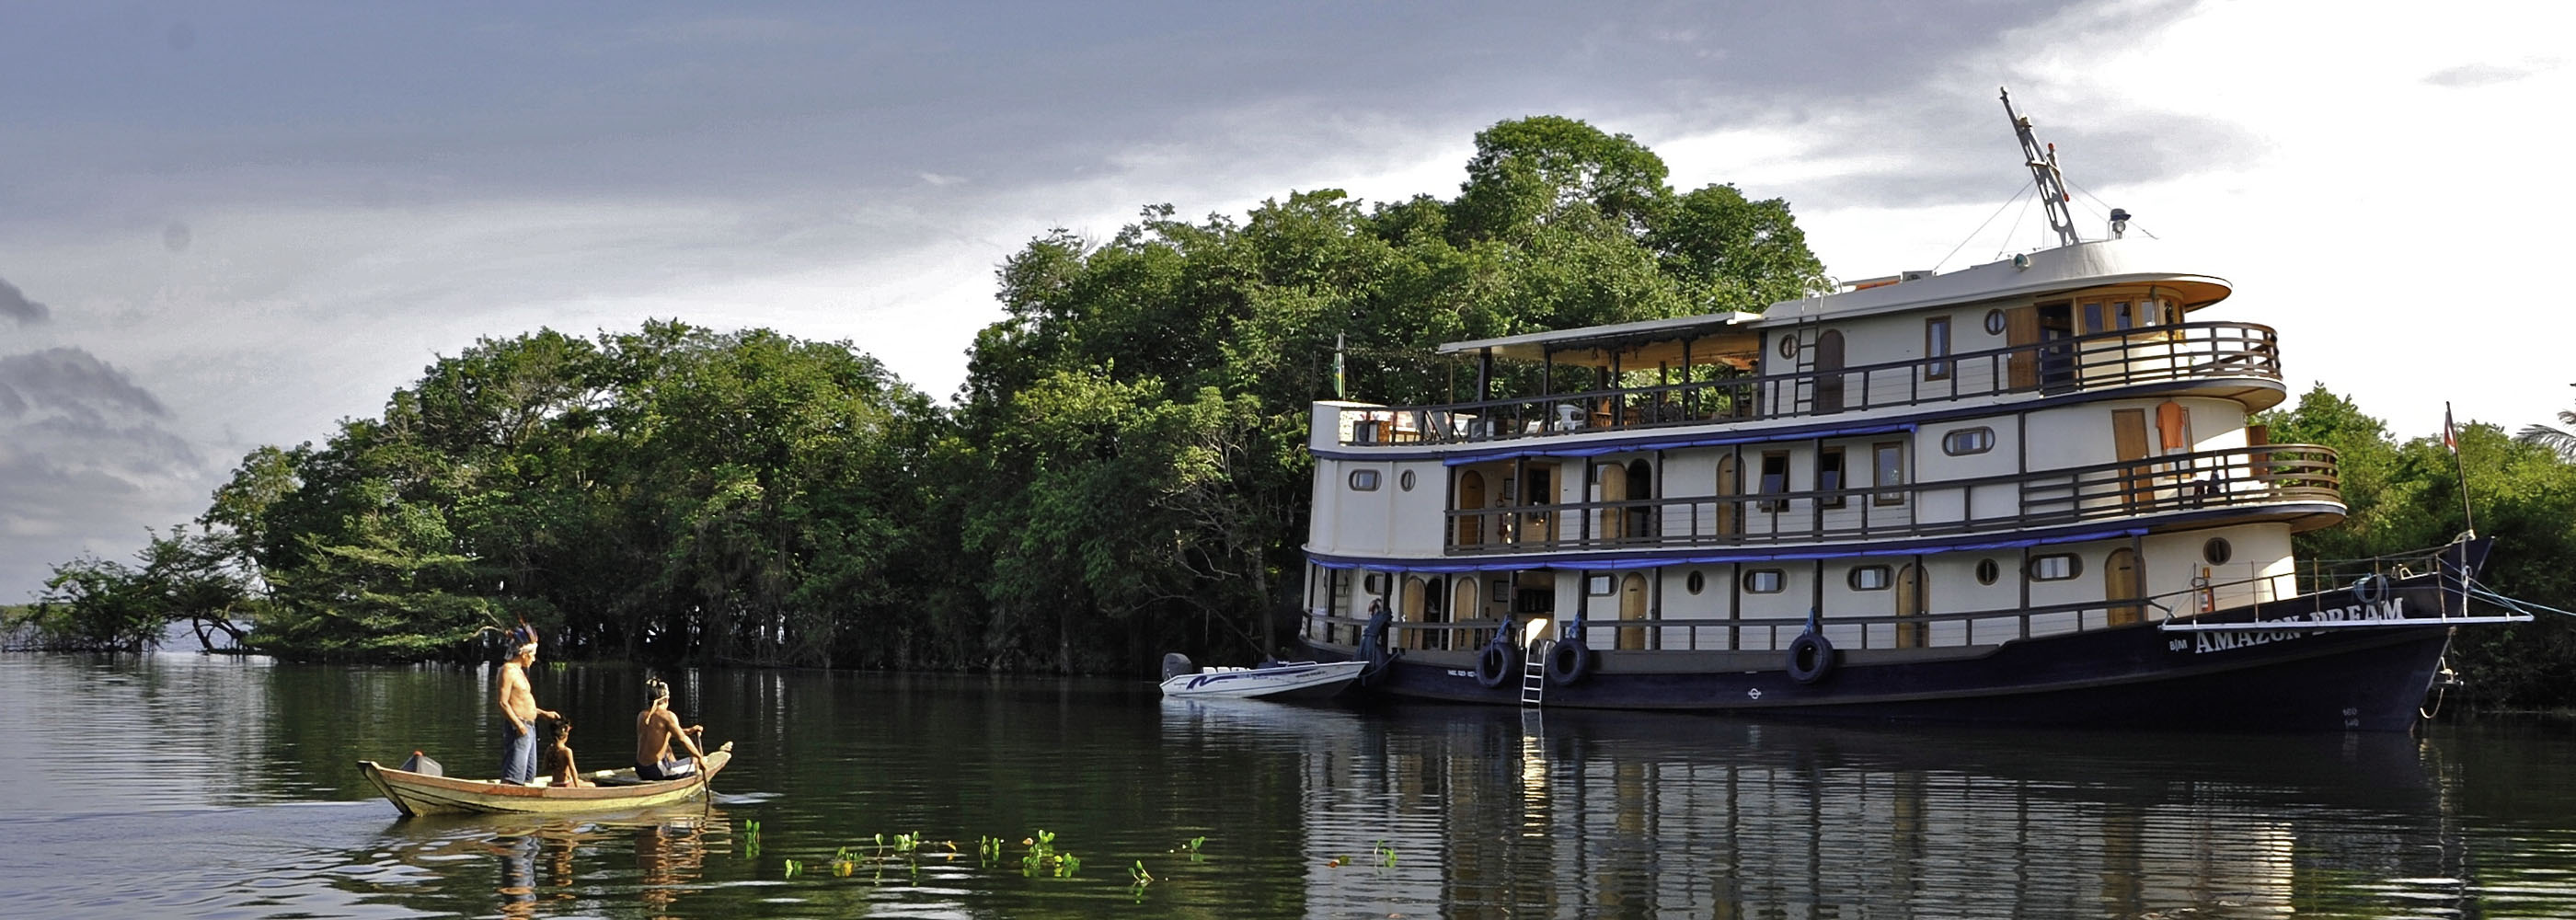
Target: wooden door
pixel 1730 483
pixel 2120 582
pixel 1632 608
pixel 1829 378
pixel 1614 488
pixel 2021 333
pixel 2129 439
pixel 1471 500
pixel 1909 606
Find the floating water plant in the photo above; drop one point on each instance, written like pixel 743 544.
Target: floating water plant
pixel 1385 854
pixel 1044 859
pixel 793 867
pixel 1191 846
pixel 751 840
pixel 1142 877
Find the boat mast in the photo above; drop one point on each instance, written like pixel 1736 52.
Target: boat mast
pixel 2043 168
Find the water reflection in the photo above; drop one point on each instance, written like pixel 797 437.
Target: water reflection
pixel 1586 814
pixel 1424 812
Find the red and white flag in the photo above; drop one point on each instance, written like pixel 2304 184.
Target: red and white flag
pixel 2450 436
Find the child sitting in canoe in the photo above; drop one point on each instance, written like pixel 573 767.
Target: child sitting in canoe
pixel 557 756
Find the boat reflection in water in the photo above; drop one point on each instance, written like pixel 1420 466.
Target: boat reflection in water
pixel 1603 813
pixel 551 866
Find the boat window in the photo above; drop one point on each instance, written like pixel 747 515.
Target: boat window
pixel 1936 346
pixel 1965 441
pixel 1789 346
pixel 1890 458
pixel 1829 477
pixel 1775 477
pixel 1405 481
pixel 2217 551
pixel 1869 578
pixel 1764 581
pixel 1373 583
pixel 1995 322
pixel 2055 567
pixel 1364 480
pixel 1988 571
pixel 1695 583
pixel 2122 317
pixel 2092 318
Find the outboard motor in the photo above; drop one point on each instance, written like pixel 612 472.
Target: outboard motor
pixel 1176 664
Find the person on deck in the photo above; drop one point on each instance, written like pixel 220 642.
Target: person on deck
pixel 656 728
pixel 519 708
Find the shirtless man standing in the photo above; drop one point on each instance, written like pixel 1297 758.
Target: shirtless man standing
pixel 519 707
pixel 655 729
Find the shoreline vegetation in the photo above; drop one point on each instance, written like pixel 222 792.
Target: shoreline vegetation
pixel 1122 474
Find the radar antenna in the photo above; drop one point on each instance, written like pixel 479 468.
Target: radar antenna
pixel 2043 168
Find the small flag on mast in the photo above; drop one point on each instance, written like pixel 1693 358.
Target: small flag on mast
pixel 2450 434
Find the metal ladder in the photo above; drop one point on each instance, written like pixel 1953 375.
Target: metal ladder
pixel 1534 674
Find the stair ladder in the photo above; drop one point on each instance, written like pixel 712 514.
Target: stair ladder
pixel 1534 674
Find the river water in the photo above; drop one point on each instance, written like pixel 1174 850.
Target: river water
pixel 178 785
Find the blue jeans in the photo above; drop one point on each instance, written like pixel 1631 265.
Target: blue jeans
pixel 518 756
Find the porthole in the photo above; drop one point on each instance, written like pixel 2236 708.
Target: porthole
pixel 1764 581
pixel 1404 480
pixel 1695 583
pixel 1869 578
pixel 1789 347
pixel 1364 480
pixel 1965 441
pixel 1988 571
pixel 2055 567
pixel 2216 551
pixel 1994 322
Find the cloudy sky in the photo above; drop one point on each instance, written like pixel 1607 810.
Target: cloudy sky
pixel 223 226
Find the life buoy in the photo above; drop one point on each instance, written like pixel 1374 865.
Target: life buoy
pixel 1494 665
pixel 2370 589
pixel 1810 658
pixel 1568 662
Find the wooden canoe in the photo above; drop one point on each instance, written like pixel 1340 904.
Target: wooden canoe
pixel 417 794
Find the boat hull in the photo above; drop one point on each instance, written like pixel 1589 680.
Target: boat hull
pixel 2348 673
pixel 1300 680
pixel 415 794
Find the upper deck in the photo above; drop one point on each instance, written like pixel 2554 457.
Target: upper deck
pixel 2091 319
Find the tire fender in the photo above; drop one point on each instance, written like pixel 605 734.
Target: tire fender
pixel 1811 658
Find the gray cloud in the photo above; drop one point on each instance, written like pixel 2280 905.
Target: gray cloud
pixel 15 305
pixel 857 101
pixel 86 464
pixel 71 383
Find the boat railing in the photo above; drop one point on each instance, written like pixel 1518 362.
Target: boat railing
pixel 2234 477
pixel 1952 629
pixel 2131 357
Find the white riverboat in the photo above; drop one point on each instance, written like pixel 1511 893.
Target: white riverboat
pixel 2025 492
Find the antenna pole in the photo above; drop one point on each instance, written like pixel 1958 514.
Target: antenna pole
pixel 2043 168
